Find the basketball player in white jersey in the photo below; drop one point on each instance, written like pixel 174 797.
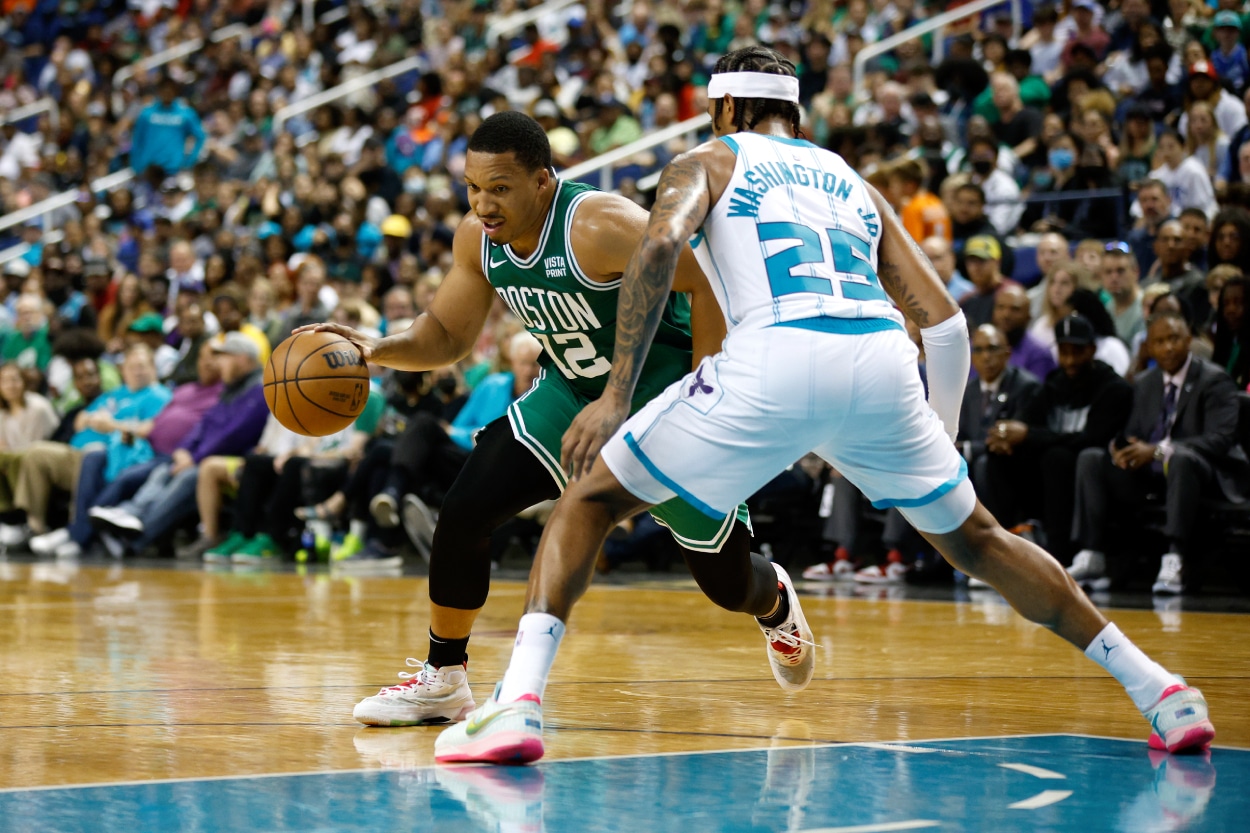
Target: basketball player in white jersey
pixel 811 268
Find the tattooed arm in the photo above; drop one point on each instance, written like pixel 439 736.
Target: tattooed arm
pixel 683 200
pixel 681 205
pixel 906 273
pixel 913 284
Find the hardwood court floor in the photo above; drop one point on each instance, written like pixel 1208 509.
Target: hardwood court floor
pixel 111 673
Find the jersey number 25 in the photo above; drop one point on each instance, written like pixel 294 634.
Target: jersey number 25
pixel 850 256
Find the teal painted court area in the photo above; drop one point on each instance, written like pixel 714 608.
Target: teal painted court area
pixel 1038 783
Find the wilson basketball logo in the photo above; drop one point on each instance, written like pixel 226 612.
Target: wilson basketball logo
pixel 316 383
pixel 342 358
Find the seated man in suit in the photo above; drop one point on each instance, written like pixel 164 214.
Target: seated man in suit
pixel 1083 405
pixel 1181 439
pixel 996 393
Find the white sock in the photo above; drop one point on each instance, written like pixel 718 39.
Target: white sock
pixel 1144 679
pixel 358 528
pixel 537 639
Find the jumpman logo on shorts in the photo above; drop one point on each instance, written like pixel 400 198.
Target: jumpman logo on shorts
pixel 699 385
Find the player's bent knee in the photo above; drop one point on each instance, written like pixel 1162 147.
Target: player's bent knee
pixel 601 489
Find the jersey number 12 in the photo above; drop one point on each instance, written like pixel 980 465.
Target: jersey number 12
pixel 850 254
pixel 580 357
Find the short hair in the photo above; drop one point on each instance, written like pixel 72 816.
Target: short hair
pixel 139 348
pixel 1162 186
pixel 908 170
pixel 1019 56
pixel 1191 212
pixel 1174 133
pixel 1222 274
pixel 233 295
pixel 80 343
pixel 983 140
pixel 1166 315
pixel 976 189
pixel 1126 254
pixel 514 132
pixel 1045 14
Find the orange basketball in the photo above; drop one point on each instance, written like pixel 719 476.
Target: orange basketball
pixel 316 384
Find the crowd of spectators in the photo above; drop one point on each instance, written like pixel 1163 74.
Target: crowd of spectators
pixel 1093 162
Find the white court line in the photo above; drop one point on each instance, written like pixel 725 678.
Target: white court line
pixel 915 824
pixel 1042 799
pixel 189 778
pixel 871 745
pixel 1035 771
pixel 186 779
pixel 890 746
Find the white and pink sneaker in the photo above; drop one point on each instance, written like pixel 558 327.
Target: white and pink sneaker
pixel 1180 720
pixel 495 733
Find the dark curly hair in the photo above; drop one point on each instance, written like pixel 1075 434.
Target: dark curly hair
pixel 751 111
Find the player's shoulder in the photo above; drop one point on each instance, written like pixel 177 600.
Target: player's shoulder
pixel 715 151
pixel 602 214
pixel 467 242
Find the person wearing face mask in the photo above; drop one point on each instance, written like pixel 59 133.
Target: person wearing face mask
pixel 1002 195
pixel 1060 169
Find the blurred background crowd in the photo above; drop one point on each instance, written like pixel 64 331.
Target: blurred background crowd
pixel 1078 159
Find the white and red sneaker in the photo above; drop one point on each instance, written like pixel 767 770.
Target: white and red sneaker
pixel 791 645
pixel 839 569
pixel 892 573
pixel 1180 720
pixel 431 695
pixel 496 733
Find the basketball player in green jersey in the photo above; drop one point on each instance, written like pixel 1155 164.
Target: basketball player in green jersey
pixel 555 252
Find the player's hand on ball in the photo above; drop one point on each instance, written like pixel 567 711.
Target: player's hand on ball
pixel 591 428
pixel 367 345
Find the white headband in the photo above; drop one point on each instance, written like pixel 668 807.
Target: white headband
pixel 754 85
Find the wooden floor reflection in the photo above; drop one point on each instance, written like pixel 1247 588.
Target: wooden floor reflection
pixel 122 674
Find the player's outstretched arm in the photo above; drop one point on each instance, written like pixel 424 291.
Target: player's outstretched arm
pixel 682 203
pixel 906 273
pixel 444 333
pixel 913 284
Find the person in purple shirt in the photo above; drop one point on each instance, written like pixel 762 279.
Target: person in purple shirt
pixel 231 427
pixel 114 474
pixel 1012 315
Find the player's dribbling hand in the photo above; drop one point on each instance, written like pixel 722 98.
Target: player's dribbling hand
pixel 367 345
pixel 588 432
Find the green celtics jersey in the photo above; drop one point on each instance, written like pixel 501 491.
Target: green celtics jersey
pixel 575 317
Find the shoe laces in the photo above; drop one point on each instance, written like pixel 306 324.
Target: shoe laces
pixel 785 639
pixel 413 679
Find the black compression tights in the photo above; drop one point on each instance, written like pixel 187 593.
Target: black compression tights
pixel 501 478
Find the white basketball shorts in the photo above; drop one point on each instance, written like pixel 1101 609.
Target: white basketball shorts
pixel 774 394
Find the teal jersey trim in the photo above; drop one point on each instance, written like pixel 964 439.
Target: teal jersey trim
pixel 842 326
pixel 925 500
pixel 654 471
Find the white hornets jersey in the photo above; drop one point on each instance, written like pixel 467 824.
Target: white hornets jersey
pixel 793 241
